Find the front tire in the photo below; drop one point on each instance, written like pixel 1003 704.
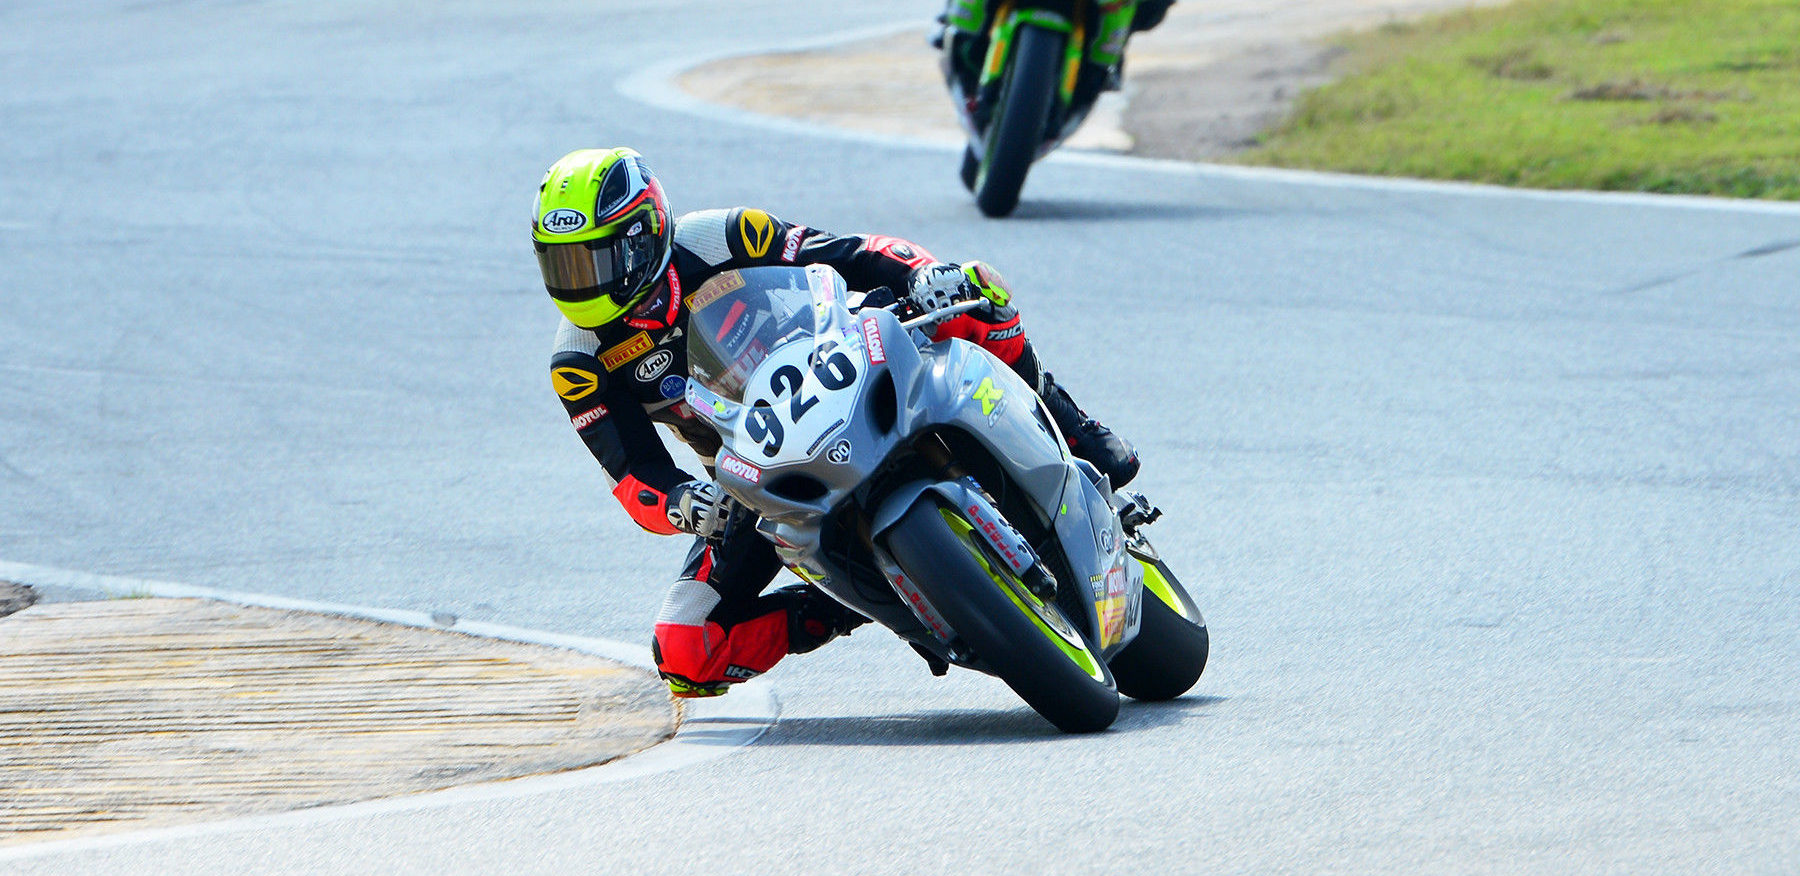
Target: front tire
pixel 1169 653
pixel 1027 641
pixel 1018 125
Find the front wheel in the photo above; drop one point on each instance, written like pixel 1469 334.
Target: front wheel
pixel 1026 641
pixel 1171 647
pixel 1019 122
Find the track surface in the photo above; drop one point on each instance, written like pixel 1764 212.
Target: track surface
pixel 1490 499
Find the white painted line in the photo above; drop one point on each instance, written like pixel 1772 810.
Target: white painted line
pixel 655 86
pixel 711 728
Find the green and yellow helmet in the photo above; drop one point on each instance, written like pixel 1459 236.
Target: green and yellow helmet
pixel 602 233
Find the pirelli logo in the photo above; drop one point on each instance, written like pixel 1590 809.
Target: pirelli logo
pixel 715 289
pixel 637 345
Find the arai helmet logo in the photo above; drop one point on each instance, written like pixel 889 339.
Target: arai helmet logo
pixel 563 220
pixel 656 364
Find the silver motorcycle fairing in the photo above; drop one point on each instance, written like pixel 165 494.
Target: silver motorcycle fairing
pixel 950 384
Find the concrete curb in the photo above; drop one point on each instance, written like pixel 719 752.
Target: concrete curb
pixel 709 728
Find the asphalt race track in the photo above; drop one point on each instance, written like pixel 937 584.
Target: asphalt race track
pixel 1490 498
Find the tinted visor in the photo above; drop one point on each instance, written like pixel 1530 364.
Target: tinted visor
pixel 616 268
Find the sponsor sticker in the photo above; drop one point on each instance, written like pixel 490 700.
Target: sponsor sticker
pixel 757 231
pixel 653 365
pixel 574 384
pixel 923 608
pixel 633 347
pixel 1012 549
pixel 738 468
pixel 715 289
pixel 872 342
pixel 991 397
pixel 791 249
pixel 589 418
pixel 562 221
pixel 839 452
pixel 1112 608
pixel 673 386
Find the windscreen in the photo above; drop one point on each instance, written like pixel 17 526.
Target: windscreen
pixel 738 317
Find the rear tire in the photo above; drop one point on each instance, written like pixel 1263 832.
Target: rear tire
pixel 1169 653
pixel 972 593
pixel 1017 128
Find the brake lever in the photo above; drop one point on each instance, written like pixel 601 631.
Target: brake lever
pixel 941 314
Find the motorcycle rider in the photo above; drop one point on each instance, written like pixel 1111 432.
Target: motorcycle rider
pixel 618 264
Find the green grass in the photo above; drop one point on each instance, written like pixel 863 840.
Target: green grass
pixel 1690 96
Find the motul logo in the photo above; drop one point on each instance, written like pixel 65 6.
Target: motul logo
pixel 731 465
pixel 872 341
pixel 582 421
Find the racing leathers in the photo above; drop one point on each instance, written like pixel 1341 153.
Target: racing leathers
pixel 716 626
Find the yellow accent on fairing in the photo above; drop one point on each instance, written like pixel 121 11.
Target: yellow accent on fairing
pixel 989 395
pixel 1157 584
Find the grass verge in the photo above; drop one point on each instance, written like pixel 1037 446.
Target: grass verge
pixel 1688 96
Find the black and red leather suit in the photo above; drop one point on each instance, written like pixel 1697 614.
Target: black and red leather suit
pixel 716 626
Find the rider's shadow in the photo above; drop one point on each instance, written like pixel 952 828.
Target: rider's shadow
pixel 969 727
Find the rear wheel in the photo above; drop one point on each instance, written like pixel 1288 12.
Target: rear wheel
pixel 1169 653
pixel 1017 127
pixel 1027 641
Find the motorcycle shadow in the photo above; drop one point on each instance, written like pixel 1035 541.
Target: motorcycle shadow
pixel 969 727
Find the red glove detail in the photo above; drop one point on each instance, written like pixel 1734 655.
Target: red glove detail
pixel 1004 339
pixel 645 504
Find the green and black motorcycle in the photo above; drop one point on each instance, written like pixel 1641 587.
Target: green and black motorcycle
pixel 1024 74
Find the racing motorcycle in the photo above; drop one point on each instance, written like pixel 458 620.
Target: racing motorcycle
pixel 924 485
pixel 1023 76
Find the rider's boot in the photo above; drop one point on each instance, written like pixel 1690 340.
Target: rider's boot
pixel 1112 455
pixel 813 617
pixel 811 620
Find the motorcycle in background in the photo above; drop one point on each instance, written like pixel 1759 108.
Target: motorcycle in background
pixel 1024 75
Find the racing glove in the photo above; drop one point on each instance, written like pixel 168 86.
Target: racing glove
pixel 697 507
pixel 995 326
pixel 941 284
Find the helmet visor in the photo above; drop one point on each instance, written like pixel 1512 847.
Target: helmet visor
pixel 602 275
pixel 615 267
